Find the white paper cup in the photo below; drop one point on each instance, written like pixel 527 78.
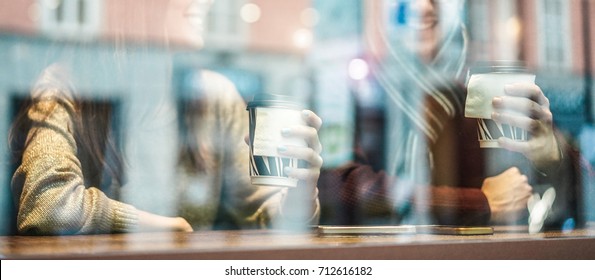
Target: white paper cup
pixel 488 132
pixel 486 81
pixel 269 114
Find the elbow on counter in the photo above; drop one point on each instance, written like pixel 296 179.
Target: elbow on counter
pixel 48 220
pixel 53 212
pixel 82 211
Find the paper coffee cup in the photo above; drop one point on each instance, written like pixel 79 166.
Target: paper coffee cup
pixel 269 114
pixel 488 132
pixel 486 81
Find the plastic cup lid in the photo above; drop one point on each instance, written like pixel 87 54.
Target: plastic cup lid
pixel 275 100
pixel 498 66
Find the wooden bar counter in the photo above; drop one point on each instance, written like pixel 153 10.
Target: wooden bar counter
pixel 505 243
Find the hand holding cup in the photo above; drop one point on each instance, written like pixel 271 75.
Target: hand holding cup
pixel 285 151
pixel 306 192
pixel 525 106
pixel 486 82
pixel 284 145
pixel 310 153
pixel 507 194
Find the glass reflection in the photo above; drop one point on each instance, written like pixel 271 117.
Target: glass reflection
pixel 151 107
pixel 432 169
pixel 74 176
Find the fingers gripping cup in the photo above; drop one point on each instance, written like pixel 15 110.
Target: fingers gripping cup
pixel 486 81
pixel 269 114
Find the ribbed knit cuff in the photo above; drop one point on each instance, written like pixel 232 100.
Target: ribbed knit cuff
pixel 125 217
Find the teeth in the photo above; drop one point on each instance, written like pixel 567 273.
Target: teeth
pixel 195 21
pixel 422 25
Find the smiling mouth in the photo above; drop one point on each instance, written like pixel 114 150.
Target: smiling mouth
pixel 194 15
pixel 196 20
pixel 424 23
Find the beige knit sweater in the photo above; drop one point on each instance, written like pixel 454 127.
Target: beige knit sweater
pixel 49 184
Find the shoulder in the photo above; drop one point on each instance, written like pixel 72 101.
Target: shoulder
pixel 55 82
pixel 216 85
pixel 52 93
pixel 215 80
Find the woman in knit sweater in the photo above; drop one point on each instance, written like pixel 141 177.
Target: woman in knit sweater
pixel 72 177
pixel 68 163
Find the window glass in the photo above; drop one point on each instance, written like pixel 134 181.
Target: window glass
pixel 124 116
pixel 79 19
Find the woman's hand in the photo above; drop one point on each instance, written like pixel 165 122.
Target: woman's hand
pixel 306 191
pixel 152 222
pixel 525 106
pixel 507 194
pixel 311 153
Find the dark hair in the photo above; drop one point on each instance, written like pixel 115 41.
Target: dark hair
pixel 189 113
pixel 94 130
pixel 96 135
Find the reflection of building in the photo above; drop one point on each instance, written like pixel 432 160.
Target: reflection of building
pixel 554 37
pixel 338 41
pixel 264 47
pixel 548 34
pixel 270 36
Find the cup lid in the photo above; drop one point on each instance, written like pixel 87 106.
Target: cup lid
pixel 276 100
pixel 498 66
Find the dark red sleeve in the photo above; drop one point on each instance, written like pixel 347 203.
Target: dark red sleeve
pixel 459 206
pixel 356 194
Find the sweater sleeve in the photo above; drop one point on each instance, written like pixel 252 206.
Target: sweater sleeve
pixel 356 194
pixel 53 198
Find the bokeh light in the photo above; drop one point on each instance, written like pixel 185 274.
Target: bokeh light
pixel 250 13
pixel 358 69
pixel 302 38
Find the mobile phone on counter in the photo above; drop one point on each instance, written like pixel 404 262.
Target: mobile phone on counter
pixel 363 230
pixel 454 230
pixel 404 229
